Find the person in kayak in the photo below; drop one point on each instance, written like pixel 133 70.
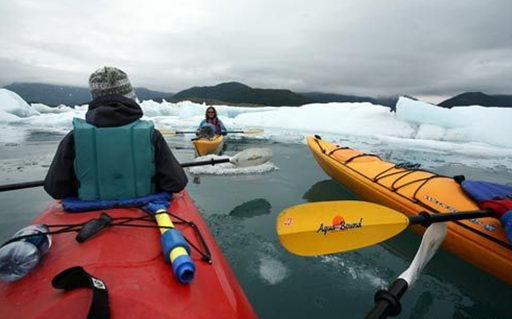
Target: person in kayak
pixel 112 154
pixel 211 125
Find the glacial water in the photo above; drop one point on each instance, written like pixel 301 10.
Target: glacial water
pixel 241 212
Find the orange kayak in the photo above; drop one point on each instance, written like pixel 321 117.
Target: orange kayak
pixel 481 242
pixel 129 260
pixel 205 146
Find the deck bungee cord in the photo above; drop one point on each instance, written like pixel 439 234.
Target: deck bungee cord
pixel 86 234
pixel 131 260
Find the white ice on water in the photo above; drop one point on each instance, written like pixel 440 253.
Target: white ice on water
pixel 228 168
pixel 13 107
pixel 490 125
pixel 473 130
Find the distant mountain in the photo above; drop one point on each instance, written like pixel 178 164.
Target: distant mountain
pixel 477 98
pixel 144 94
pixel 50 94
pixel 330 97
pixel 200 100
pixel 53 95
pixel 234 92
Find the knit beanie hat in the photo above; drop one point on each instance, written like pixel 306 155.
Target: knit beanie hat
pixel 110 81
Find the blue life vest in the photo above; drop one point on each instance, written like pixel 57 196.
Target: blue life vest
pixel 481 191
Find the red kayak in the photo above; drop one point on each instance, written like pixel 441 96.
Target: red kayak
pixel 130 262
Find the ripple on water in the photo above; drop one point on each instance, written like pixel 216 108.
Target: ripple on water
pixel 259 255
pixel 271 270
pixel 355 267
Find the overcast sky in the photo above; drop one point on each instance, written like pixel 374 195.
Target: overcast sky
pixel 365 47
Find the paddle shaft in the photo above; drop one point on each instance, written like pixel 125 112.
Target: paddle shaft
pixel 387 302
pixel 206 162
pixel 11 187
pixel 426 219
pixel 193 132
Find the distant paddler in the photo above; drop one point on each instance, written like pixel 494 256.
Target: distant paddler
pixel 211 120
pixel 210 134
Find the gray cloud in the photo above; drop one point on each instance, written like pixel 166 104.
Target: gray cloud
pixel 359 46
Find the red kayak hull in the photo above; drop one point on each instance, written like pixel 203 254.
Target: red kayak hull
pixel 130 261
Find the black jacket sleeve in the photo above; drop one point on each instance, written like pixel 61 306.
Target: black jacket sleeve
pixel 60 181
pixel 170 176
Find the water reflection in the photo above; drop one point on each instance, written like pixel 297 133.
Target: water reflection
pixel 328 190
pixel 423 305
pixel 237 142
pixel 252 208
pixel 40 136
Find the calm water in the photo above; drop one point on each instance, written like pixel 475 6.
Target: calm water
pixel 241 212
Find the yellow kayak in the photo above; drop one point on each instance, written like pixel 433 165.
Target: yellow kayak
pixel 482 242
pixel 205 146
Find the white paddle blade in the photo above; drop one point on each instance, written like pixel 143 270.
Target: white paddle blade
pixel 251 157
pixel 253 131
pixel 432 239
pixel 167 132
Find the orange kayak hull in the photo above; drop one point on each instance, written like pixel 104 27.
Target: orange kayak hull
pixel 481 242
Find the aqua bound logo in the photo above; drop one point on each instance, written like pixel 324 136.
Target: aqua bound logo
pixel 440 203
pixel 339 224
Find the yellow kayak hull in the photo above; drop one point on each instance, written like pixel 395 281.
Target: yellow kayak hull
pixel 205 146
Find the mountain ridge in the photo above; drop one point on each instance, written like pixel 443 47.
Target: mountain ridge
pixel 334 97
pixel 236 92
pixel 53 95
pixel 478 98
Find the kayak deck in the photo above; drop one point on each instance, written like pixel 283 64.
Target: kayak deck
pixel 481 242
pixel 130 262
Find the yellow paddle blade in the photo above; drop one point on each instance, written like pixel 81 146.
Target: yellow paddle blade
pixel 321 228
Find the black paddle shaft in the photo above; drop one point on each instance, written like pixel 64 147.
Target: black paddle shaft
pixel 206 162
pixel 427 219
pixel 193 132
pixel 387 302
pixel 11 187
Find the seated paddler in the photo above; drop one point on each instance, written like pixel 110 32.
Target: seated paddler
pixel 211 125
pixel 113 154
